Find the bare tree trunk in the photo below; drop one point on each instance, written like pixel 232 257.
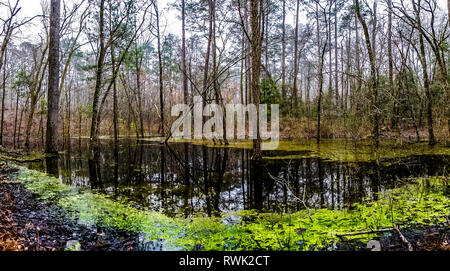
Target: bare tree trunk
pixel 374 28
pixel 183 52
pixel 208 50
pixel 34 93
pixel 283 54
pixel 115 108
pixel 348 81
pixel 391 65
pixel 321 56
pixel 448 9
pixel 161 83
pixel 41 128
pixel 67 120
pixel 330 53
pixel 216 86
pixel 98 82
pixel 256 70
pixel 53 80
pixel 139 93
pixel 308 90
pixel 426 80
pixel 336 74
pixel 294 86
pixel 241 86
pixel 248 77
pixel 8 30
pixel 448 94
pixel 19 135
pixel 15 119
pixel 358 60
pixel 373 75
pixel 3 97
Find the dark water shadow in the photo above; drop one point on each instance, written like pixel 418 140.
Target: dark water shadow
pixel 186 179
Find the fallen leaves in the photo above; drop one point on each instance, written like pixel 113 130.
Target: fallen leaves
pixel 9 240
pixel 28 224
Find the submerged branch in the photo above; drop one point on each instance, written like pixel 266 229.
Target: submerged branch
pixel 364 232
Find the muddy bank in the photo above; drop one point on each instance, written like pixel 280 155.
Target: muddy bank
pixel 27 224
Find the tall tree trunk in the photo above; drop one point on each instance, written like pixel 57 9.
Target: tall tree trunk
pixel 216 86
pixel 321 56
pixel 208 50
pixel 115 108
pixel 41 128
pixel 336 74
pixel 3 97
pixel 183 52
pixel 15 119
pixel 266 39
pixel 67 123
pixel 426 80
pixel 256 70
pixel 296 56
pixel 373 75
pixel 391 64
pixel 448 9
pixel 53 80
pixel 448 94
pixel 330 53
pixel 7 32
pixel 160 64
pixel 283 54
pixel 34 93
pixel 308 90
pixel 214 53
pixel 374 28
pixel 19 135
pixel 248 77
pixel 358 62
pixel 139 92
pixel 241 86
pixel 98 82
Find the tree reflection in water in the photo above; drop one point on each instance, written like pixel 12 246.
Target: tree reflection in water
pixel 186 179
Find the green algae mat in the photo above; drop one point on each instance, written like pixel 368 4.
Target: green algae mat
pixel 424 201
pixel 333 150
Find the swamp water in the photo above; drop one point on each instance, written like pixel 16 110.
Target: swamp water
pixel 213 189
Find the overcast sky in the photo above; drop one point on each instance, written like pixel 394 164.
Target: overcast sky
pixel 32 8
pixel 173 25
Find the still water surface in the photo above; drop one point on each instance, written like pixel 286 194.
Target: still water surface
pixel 184 179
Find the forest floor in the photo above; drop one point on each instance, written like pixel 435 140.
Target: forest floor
pixel 28 224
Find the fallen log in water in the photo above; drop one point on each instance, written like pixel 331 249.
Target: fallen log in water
pixel 14 156
pixel 364 232
pixel 394 229
pixel 21 159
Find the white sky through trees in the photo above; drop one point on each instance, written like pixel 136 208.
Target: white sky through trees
pixel 170 23
pixel 32 8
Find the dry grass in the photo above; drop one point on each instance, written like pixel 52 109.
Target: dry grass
pixel 348 128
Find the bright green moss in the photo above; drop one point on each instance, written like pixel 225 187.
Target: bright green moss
pixel 424 202
pixel 357 151
pixel 334 150
pixel 23 158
